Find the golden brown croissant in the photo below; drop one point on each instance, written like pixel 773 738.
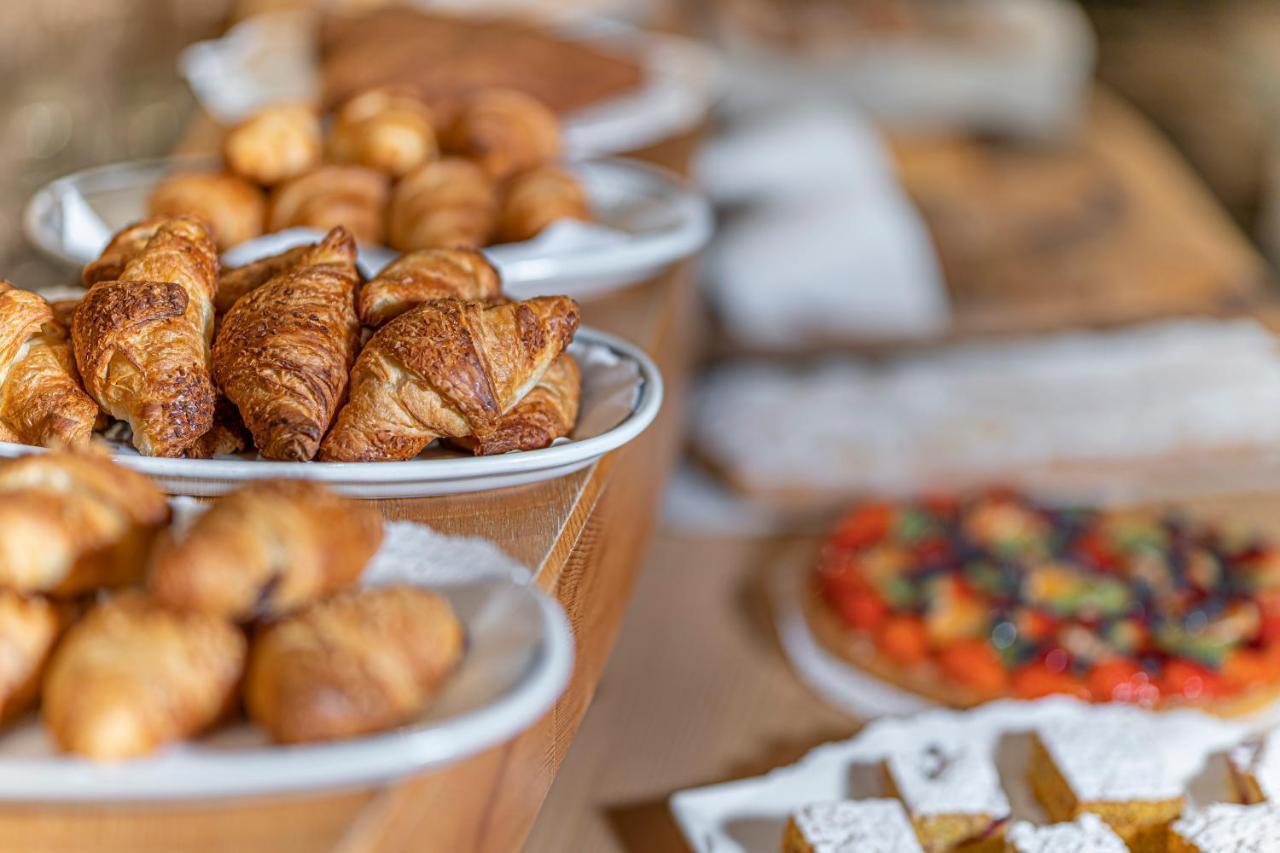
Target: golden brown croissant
pixel 275 144
pixel 126 245
pixel 425 275
pixel 450 203
pixel 352 197
pixel 133 676
pixel 266 550
pixel 29 627
pixel 360 662
pixel 504 131
pixel 234 208
pixel 549 411
pixel 238 281
pixel 142 344
pixel 386 129
pixel 227 435
pixel 446 368
pixel 538 197
pixel 74 522
pixel 285 350
pixel 41 401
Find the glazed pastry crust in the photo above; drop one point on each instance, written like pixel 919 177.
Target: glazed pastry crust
pixel 504 132
pixel 386 129
pixel 74 522
pixel 449 203
pixel 446 368
pixel 142 343
pixel 234 208
pixel 350 197
pixel 29 628
pixel 133 676
pixel 360 662
pixel 238 281
pixel 285 350
pixel 126 245
pixel 425 275
pixel 275 144
pixel 549 411
pixel 537 198
pixel 266 550
pixel 41 401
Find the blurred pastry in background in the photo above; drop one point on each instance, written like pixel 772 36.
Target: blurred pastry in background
pixel 30 626
pixel 503 131
pixel 352 197
pixel 235 208
pixel 426 275
pixel 386 129
pixel 449 203
pixel 275 144
pixel 536 198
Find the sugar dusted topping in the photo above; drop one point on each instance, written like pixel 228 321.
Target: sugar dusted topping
pixel 1086 834
pixel 865 826
pixel 1261 759
pixel 1231 828
pixel 1109 757
pixel 948 778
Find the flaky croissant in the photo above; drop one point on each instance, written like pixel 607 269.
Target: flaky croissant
pixel 142 344
pixel 449 203
pixel 352 197
pixel 74 522
pixel 265 550
pixel 125 245
pixel 29 627
pixel 238 281
pixel 275 144
pixel 386 129
pixel 445 368
pixel 425 275
pixel 227 435
pixel 284 351
pixel 234 208
pixel 41 401
pixel 503 131
pixel 536 198
pixel 549 411
pixel 133 676
pixel 360 662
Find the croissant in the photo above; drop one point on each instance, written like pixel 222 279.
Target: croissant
pixel 126 245
pixel 41 401
pixel 352 197
pixel 275 144
pixel 235 209
pixel 227 435
pixel 29 627
pixel 361 662
pixel 74 522
pixel 142 343
pixel 449 203
pixel 504 131
pixel 133 676
pixel 445 368
pixel 426 275
pixel 265 550
pixel 238 281
pixel 386 129
pixel 549 411
pixel 537 198
pixel 284 351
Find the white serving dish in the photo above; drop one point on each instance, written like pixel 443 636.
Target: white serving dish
pixel 621 395
pixel 646 220
pixel 518 660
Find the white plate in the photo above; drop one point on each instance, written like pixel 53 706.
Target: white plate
pixel 646 220
pixel 621 395
pixel 518 660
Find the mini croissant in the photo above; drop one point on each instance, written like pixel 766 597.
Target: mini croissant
pixel 360 662
pixel 351 197
pixel 449 203
pixel 537 198
pixel 504 132
pixel 265 550
pixel 142 343
pixel 385 129
pixel 425 275
pixel 235 209
pixel 238 281
pixel 41 401
pixel 549 411
pixel 126 245
pixel 275 144
pixel 133 676
pixel 284 351
pixel 446 368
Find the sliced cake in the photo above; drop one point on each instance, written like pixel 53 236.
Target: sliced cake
pixel 952 792
pixel 862 826
pixel 1255 769
pixel 1227 828
pixel 1085 834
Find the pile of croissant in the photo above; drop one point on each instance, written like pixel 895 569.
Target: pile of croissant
pixel 131 634
pixel 200 362
pixel 392 170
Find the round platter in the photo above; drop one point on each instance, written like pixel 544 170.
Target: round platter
pixel 646 219
pixel 621 395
